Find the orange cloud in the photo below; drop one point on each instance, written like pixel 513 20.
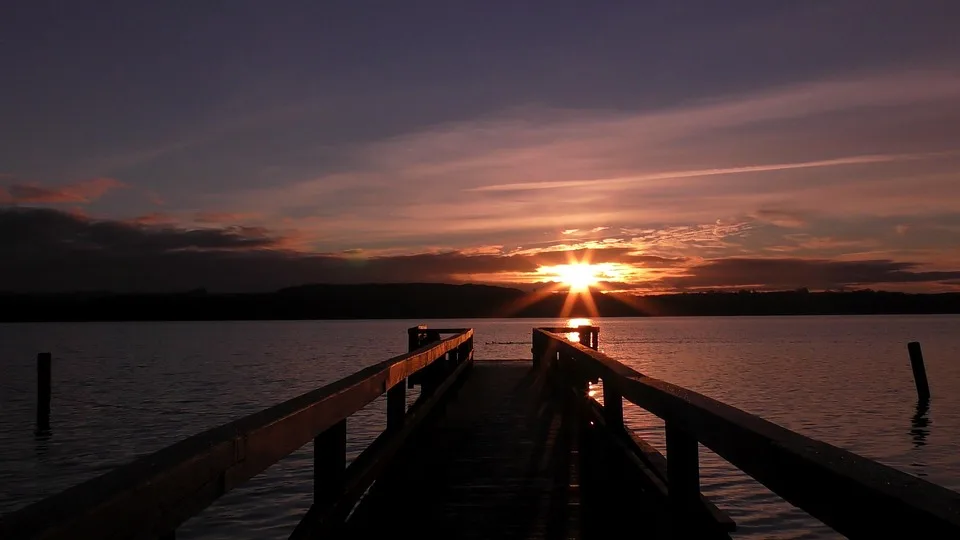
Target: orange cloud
pixel 81 192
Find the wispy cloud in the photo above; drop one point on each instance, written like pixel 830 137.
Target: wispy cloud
pixel 223 217
pixel 81 192
pixel 699 173
pixel 787 273
pixel 527 171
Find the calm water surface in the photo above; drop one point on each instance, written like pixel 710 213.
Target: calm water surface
pixel 125 389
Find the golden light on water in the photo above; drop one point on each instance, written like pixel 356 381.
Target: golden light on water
pixel 574 323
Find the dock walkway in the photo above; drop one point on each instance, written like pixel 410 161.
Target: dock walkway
pixel 496 465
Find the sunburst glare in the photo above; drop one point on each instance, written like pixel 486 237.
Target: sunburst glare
pixel 580 277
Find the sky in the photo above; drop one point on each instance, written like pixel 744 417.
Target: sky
pixel 677 145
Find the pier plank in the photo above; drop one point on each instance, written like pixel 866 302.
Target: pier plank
pixel 497 465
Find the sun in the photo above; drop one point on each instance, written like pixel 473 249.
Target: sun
pixel 579 276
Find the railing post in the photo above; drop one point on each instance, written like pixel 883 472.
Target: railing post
pixel 586 335
pixel 396 405
pixel 589 336
pixel 683 477
pixel 612 405
pixel 429 375
pixel 413 337
pixel 329 464
pixel 535 349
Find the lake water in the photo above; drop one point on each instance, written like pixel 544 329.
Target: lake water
pixel 125 389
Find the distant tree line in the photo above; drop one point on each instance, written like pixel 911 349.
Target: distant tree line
pixel 434 301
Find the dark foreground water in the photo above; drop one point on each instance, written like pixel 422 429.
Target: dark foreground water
pixel 125 389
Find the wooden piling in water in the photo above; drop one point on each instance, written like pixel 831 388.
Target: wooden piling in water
pixel 44 373
pixel 919 371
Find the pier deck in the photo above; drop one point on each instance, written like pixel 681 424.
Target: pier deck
pixel 498 464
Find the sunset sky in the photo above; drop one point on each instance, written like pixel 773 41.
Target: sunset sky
pixel 678 145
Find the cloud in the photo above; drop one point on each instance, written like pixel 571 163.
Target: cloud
pixel 700 173
pixel 46 231
pixel 155 198
pixel 154 218
pixel 781 218
pixel 81 192
pixel 848 146
pixel 67 251
pixel 824 243
pixel 222 217
pixel 790 273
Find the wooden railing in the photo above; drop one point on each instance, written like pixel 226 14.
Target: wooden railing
pixel 588 336
pixel 153 495
pixel 855 496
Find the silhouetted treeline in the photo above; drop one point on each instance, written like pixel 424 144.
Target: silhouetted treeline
pixel 433 301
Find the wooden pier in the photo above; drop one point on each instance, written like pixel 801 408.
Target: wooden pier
pixel 498 449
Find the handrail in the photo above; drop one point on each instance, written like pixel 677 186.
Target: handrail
pixel 154 494
pixel 853 495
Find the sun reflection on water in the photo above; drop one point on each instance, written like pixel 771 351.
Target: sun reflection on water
pixel 574 323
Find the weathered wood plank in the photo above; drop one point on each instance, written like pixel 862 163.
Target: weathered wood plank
pixel 488 468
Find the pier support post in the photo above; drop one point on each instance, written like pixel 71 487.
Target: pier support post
pixel 44 375
pixel 919 371
pixel 329 464
pixel 683 478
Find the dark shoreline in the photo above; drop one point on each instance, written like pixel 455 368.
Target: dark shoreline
pixel 441 301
